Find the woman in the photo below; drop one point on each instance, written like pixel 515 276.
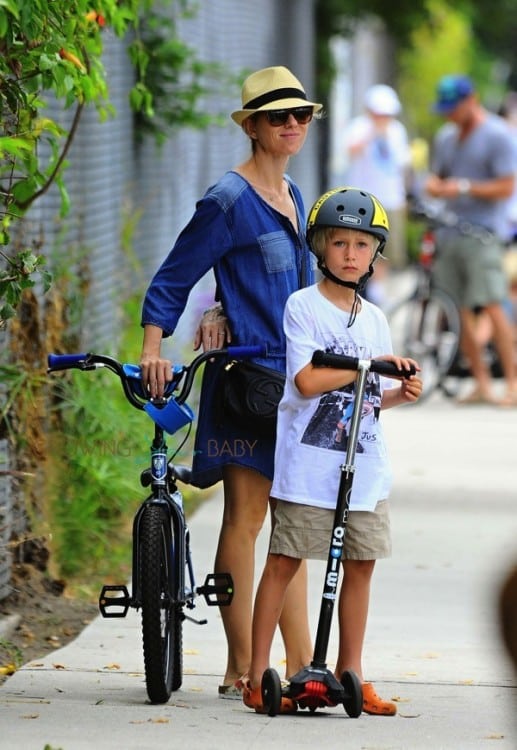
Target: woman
pixel 248 227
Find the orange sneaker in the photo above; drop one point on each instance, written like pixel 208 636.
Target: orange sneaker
pixel 374 705
pixel 252 698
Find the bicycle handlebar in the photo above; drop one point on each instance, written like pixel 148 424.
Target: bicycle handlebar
pixel 65 361
pixel 130 375
pixel 343 362
pixel 439 216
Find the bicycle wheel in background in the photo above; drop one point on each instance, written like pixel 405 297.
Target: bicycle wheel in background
pixel 162 620
pixel 428 329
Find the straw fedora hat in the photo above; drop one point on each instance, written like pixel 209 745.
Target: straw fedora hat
pixel 271 88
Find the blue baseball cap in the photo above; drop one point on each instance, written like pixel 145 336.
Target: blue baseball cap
pixel 452 90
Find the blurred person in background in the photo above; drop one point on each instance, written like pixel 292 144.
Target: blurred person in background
pixel 378 157
pixel 473 173
pixel 508 111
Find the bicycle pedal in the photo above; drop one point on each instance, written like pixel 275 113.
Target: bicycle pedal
pixel 114 605
pixel 217 589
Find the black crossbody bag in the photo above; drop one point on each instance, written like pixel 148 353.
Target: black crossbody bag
pixel 249 395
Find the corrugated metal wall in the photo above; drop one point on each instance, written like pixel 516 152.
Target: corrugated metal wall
pixel 109 177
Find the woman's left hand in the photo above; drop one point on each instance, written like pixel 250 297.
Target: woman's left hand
pixel 213 331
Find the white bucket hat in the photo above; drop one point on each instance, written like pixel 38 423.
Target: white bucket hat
pixel 271 88
pixel 382 100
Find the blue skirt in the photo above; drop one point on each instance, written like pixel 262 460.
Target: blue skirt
pixel 218 443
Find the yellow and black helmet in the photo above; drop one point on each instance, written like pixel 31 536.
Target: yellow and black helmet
pixel 351 208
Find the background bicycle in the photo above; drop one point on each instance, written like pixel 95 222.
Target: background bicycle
pixel 163 583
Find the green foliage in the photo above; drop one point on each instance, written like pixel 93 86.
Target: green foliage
pixel 18 276
pixel 97 452
pixel 174 82
pixel 492 26
pixel 442 45
pixel 341 17
pixel 54 48
pixel 12 652
pixel 17 402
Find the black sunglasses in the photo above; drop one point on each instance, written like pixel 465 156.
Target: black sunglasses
pixel 277 117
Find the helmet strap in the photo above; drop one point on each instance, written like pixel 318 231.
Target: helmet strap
pixel 325 271
pixel 356 286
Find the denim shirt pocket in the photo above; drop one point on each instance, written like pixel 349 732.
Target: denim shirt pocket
pixel 277 252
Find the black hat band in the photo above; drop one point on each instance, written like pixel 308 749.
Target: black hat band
pixel 273 96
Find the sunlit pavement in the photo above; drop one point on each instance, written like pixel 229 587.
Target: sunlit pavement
pixel 432 644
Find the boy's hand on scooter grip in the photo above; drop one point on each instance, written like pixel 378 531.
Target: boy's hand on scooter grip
pixel 411 388
pixel 405 364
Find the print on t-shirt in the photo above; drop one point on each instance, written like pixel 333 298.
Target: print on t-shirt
pixel 329 426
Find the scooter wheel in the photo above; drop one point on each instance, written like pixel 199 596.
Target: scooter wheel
pixel 353 694
pixel 271 689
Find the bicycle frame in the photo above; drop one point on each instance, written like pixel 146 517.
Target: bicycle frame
pixel 162 571
pixel 163 497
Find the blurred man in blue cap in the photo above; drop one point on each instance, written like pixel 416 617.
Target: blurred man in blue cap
pixel 451 91
pixel 472 171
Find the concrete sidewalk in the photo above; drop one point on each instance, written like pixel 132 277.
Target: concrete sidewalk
pixel 432 641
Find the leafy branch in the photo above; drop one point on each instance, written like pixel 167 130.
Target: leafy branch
pixel 55 47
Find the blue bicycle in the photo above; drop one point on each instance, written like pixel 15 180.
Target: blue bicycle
pixel 163 583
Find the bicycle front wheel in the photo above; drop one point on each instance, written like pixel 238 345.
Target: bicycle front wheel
pixel 162 618
pixel 428 330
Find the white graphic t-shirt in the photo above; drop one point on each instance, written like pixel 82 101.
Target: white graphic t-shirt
pixel 312 432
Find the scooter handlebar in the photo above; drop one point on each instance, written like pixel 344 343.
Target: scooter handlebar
pixel 343 362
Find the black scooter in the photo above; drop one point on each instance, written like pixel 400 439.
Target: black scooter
pixel 316 686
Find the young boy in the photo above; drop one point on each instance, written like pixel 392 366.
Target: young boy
pixel 347 230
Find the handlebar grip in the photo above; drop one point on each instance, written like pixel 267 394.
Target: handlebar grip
pixel 343 362
pixel 390 370
pixel 339 361
pixel 245 352
pixel 65 361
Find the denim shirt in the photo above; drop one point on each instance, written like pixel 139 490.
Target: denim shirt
pixel 258 258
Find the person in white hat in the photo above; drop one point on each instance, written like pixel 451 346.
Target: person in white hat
pixel 250 229
pixel 378 159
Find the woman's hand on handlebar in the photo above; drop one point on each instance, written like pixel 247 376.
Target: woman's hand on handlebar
pixel 156 371
pixel 213 331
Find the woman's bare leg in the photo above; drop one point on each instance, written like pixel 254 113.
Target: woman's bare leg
pixel 246 499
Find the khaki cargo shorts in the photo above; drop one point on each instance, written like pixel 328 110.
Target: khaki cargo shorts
pixel 303 532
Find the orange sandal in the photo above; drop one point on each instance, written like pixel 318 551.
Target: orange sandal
pixel 374 705
pixel 252 698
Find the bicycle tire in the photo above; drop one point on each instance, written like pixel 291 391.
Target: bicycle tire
pixel 427 328
pixel 162 619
